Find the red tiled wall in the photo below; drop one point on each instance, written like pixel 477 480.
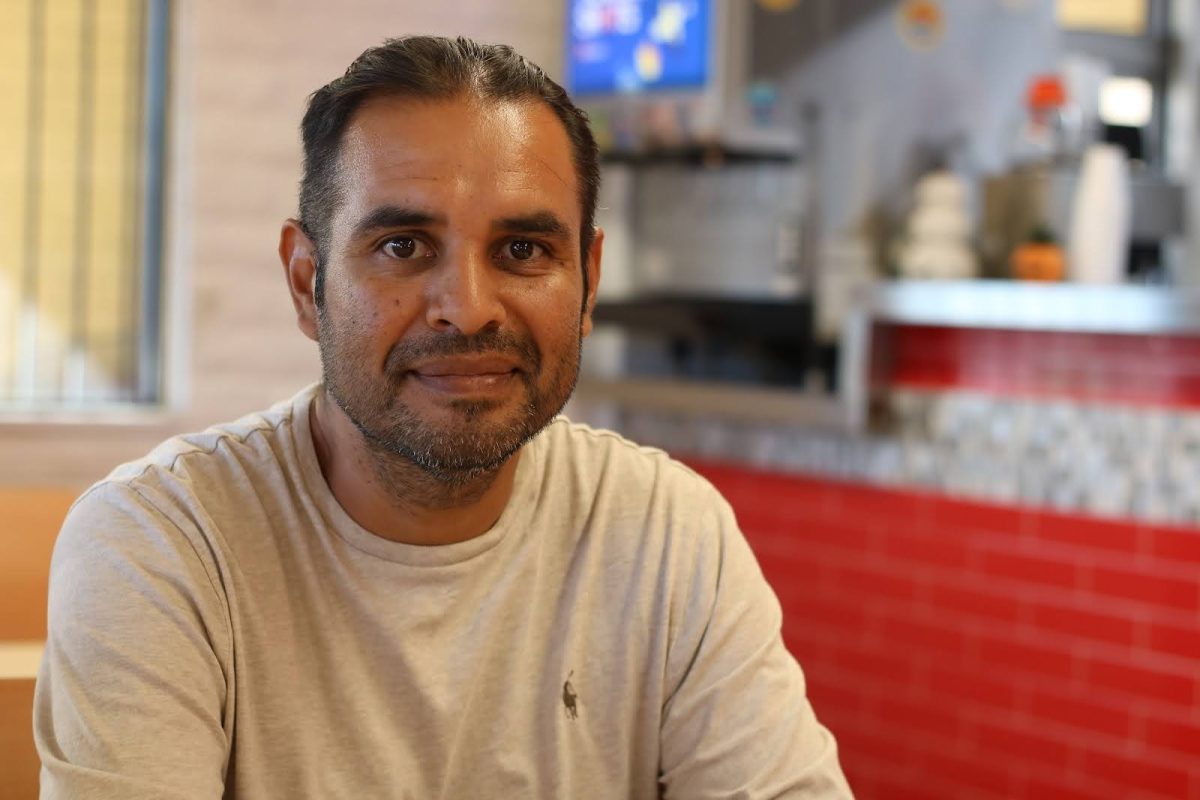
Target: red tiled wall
pixel 1153 370
pixel 960 650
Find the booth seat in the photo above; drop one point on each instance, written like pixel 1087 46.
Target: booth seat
pixel 29 521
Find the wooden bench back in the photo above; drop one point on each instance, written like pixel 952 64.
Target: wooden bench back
pixel 29 522
pixel 19 764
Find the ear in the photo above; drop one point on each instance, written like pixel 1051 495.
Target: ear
pixel 299 256
pixel 593 272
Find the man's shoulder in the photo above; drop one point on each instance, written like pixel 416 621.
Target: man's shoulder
pixel 170 502
pixel 184 468
pixel 604 457
pixel 582 441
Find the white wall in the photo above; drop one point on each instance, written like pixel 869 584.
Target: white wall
pixel 881 102
pixel 242 73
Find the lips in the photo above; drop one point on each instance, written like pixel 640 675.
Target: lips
pixel 466 375
pixel 467 367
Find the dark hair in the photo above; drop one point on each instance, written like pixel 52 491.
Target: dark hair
pixel 431 68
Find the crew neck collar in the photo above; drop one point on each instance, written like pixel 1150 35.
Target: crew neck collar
pixel 520 502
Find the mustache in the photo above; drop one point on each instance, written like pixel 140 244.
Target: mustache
pixel 404 355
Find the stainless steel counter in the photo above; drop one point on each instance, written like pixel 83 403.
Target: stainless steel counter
pixel 1014 305
pixel 1001 305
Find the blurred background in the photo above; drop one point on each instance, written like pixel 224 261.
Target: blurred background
pixel 916 284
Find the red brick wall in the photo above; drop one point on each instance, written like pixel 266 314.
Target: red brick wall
pixel 959 649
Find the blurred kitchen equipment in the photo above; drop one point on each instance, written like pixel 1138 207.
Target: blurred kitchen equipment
pixel 845 271
pixel 1098 241
pixel 938 237
pixel 730 227
pixel 1018 202
pixel 1083 76
pixel 604 351
pixel 1039 259
pixel 1044 132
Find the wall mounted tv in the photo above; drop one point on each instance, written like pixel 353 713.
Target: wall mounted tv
pixel 619 47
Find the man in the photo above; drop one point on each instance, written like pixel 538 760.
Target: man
pixel 414 579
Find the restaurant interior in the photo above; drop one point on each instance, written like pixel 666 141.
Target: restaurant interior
pixel 914 283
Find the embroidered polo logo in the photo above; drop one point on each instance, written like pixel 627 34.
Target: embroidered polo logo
pixel 569 697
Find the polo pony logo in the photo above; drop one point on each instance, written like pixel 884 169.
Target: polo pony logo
pixel 569 697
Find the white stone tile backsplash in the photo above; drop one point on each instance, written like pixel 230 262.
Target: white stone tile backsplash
pixel 1104 460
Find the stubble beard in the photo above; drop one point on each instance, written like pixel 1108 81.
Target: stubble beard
pixel 464 454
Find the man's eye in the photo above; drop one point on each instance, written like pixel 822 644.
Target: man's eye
pixel 522 250
pixel 403 247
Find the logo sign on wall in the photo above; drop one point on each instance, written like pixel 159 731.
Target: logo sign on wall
pixel 921 24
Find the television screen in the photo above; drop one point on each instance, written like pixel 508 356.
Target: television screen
pixel 625 46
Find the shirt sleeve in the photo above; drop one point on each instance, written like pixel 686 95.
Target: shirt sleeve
pixel 737 723
pixel 133 693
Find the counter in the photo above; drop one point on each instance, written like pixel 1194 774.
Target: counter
pixel 1075 398
pixel 992 586
pixel 1013 305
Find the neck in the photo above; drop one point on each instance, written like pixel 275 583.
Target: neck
pixel 395 499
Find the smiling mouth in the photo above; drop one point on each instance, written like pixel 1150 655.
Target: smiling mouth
pixel 466 377
pixel 475 385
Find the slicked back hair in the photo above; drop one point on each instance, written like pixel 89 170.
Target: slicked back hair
pixel 431 68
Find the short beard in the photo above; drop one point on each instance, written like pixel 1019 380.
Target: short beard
pixel 455 459
pixel 450 458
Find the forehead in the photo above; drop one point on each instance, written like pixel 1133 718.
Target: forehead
pixel 503 152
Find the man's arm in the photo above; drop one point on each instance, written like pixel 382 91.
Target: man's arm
pixel 133 691
pixel 738 723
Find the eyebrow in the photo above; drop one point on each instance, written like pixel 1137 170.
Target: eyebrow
pixel 391 217
pixel 546 223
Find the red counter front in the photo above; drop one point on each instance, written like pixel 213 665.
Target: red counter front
pixel 959 649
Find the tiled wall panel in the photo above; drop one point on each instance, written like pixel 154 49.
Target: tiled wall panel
pixel 1142 370
pixel 961 649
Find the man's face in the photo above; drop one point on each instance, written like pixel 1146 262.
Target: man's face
pixel 451 326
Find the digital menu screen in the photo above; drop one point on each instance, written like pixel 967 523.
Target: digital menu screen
pixel 624 46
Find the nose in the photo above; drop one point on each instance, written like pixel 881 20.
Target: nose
pixel 464 295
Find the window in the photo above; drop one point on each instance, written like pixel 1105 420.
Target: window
pixel 1128 102
pixel 82 85
pixel 1121 17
